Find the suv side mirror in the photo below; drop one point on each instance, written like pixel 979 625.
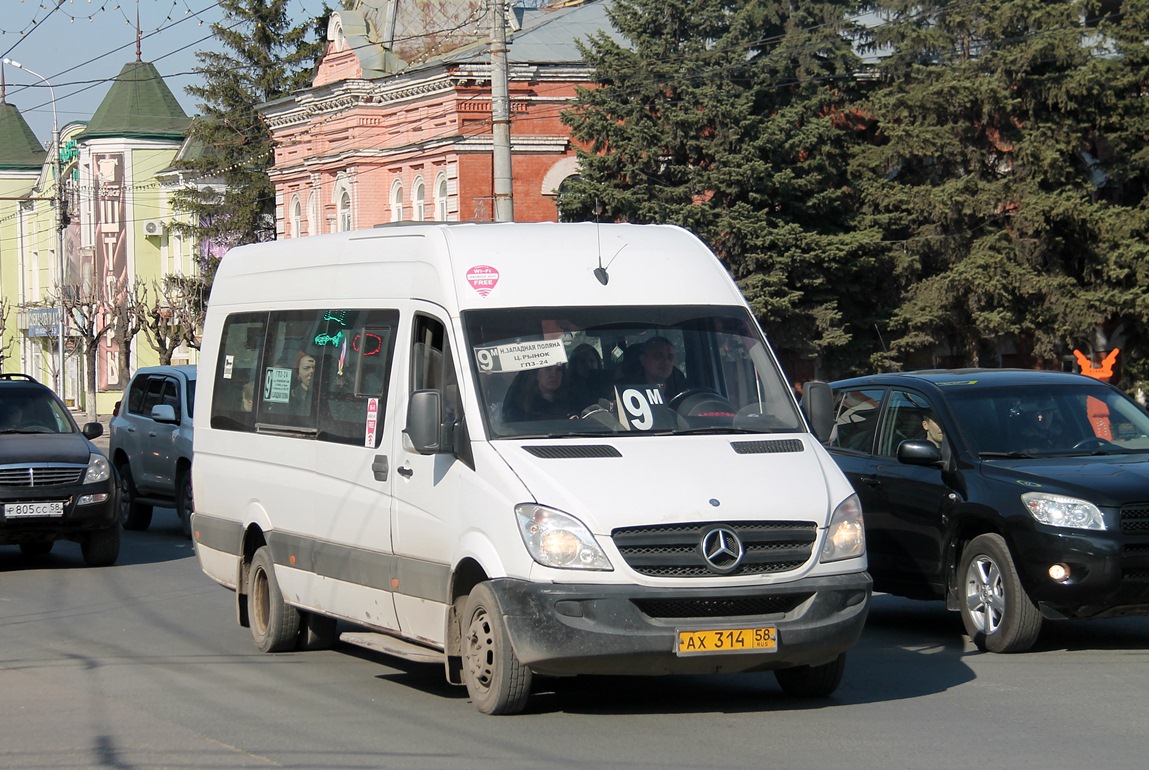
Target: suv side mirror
pixel 919 452
pixel 92 430
pixel 425 421
pixel 818 404
pixel 164 413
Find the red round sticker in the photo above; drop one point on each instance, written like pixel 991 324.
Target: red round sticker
pixel 483 279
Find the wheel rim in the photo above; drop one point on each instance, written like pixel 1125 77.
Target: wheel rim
pixel 480 654
pixel 260 601
pixel 985 594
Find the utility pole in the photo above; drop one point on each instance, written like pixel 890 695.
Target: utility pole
pixel 501 115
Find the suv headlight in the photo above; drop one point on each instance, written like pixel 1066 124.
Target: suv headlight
pixel 555 539
pixel 98 469
pixel 845 537
pixel 1062 511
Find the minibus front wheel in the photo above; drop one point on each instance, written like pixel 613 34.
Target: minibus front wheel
pixel 496 681
pixel 274 624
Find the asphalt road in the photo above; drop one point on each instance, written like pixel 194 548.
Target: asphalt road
pixel 142 665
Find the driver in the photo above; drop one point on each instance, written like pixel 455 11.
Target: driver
pixel 1040 428
pixel 657 359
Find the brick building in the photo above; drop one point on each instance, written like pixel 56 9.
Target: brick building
pixel 397 123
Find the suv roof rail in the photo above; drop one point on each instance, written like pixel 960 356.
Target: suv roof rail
pixel 17 376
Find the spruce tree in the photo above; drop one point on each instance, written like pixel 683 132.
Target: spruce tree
pixel 1007 173
pixel 263 57
pixel 731 118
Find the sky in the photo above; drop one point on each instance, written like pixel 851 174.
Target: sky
pixel 81 45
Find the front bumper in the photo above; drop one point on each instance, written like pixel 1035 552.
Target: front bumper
pixel 1108 571
pixel 76 520
pixel 563 630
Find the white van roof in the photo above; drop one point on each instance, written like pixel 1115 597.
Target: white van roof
pixel 463 266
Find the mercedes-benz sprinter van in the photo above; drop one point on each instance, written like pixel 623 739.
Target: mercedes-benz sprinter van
pixel 519 450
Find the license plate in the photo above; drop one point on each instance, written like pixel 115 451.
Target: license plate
pixel 727 640
pixel 33 510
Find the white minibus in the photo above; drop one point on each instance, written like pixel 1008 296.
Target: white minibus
pixel 518 451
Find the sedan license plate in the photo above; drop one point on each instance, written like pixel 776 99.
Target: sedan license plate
pixel 33 510
pixel 727 640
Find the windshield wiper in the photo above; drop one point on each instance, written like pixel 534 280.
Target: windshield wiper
pixel 1005 455
pixel 716 431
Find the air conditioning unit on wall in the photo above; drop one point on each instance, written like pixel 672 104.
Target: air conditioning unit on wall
pixel 153 227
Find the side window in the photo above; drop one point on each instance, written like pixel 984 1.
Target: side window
pixel 856 422
pixel 908 416
pixel 237 372
pixel 153 396
pixel 170 395
pixel 431 365
pixel 286 392
pixel 353 351
pixel 136 395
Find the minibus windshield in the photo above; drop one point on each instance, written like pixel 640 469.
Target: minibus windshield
pixel 577 371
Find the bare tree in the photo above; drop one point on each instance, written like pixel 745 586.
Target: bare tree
pixel 89 309
pixel 167 320
pixel 128 320
pixel 4 308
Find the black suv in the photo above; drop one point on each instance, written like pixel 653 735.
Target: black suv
pixel 54 483
pixel 1012 494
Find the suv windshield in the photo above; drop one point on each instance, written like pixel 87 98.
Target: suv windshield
pixel 32 410
pixel 576 371
pixel 1048 420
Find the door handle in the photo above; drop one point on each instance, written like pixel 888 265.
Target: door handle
pixel 872 481
pixel 406 472
pixel 379 467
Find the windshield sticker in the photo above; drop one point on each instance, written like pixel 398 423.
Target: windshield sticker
pixel 636 406
pixel 515 357
pixel 228 367
pixel 277 385
pixel 483 279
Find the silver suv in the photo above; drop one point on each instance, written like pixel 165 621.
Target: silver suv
pixel 151 445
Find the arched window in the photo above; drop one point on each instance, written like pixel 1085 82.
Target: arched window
pixel 418 200
pixel 441 198
pixel 344 211
pixel 296 217
pixel 397 201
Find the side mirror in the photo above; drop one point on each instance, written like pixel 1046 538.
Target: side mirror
pixel 165 413
pixel 818 404
pixel 424 422
pixel 92 430
pixel 919 452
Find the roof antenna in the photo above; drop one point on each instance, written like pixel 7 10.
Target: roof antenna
pixel 600 271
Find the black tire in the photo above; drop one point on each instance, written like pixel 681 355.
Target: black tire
pixel 101 547
pixel 317 632
pixel 997 613
pixel 812 681
pixel 134 515
pixel 274 624
pixel 37 549
pixel 185 501
pixel 496 681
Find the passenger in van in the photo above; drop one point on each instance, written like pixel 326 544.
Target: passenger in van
pixel 585 376
pixel 301 387
pixel 537 394
pixel 657 359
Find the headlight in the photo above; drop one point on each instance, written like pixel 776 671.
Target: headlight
pixel 555 539
pixel 1062 511
pixel 845 537
pixel 98 469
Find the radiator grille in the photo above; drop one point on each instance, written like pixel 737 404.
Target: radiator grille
pixel 720 607
pixel 40 475
pixel 675 550
pixel 1135 518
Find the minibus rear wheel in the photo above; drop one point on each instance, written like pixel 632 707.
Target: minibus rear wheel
pixel 274 625
pixel 496 681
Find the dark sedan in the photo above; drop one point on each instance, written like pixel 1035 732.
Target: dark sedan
pixel 1014 495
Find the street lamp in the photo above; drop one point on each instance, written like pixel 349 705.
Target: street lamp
pixel 59 229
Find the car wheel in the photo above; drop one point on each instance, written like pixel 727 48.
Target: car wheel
pixel 101 547
pixel 317 632
pixel 134 515
pixel 997 613
pixel 496 681
pixel 274 624
pixel 185 502
pixel 37 549
pixel 812 681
